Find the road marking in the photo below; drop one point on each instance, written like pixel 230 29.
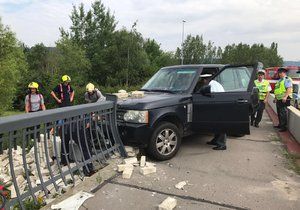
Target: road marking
pixel 200 200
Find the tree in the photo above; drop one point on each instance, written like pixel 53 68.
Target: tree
pixel 244 53
pixel 195 51
pixel 93 30
pixel 12 63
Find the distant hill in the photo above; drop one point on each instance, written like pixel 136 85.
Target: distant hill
pixel 291 63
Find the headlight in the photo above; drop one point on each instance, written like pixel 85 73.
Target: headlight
pixel 136 116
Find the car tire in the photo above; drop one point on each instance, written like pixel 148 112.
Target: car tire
pixel 165 141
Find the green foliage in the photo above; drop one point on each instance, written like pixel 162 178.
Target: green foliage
pixel 195 51
pixel 12 64
pixel 244 53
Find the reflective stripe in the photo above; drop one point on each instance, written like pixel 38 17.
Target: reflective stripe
pixel 62 92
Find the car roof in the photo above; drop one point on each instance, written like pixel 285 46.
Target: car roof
pixel 196 66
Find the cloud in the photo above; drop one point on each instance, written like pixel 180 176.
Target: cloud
pixel 222 21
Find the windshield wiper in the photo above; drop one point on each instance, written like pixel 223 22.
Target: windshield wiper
pixel 161 90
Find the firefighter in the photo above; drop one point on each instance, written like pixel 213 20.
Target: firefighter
pixel 264 88
pixel 283 94
pixel 64 91
pixel 34 101
pixel 92 94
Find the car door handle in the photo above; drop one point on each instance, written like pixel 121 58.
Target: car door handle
pixel 242 101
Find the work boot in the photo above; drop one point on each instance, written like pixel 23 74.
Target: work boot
pixel 211 143
pixel 219 148
pixel 256 125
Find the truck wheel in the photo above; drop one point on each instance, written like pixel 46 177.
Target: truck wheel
pixel 165 141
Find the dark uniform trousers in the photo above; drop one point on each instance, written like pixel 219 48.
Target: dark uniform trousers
pixel 257 115
pixel 220 139
pixel 282 112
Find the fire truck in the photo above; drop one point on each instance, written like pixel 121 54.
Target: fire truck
pixel 294 73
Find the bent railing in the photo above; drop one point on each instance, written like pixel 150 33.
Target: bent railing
pixel 42 153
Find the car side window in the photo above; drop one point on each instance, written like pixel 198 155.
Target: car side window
pixel 234 79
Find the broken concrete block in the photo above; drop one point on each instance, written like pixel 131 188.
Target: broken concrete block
pixel 20 179
pixel 180 185
pixel 143 161
pixel 150 164
pixel 19 170
pixel 131 154
pixel 137 94
pixel 168 204
pixel 147 170
pixel 129 149
pixel 127 173
pixel 131 160
pixel 123 166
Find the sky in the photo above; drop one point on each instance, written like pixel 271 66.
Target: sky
pixel 221 21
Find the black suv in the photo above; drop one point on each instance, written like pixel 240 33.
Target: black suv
pixel 176 103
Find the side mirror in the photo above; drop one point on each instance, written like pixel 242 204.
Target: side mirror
pixel 205 90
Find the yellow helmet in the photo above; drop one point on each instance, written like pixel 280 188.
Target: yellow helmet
pixel 90 87
pixel 33 85
pixel 66 78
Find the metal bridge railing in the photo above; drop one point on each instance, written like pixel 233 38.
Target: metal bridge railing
pixel 44 151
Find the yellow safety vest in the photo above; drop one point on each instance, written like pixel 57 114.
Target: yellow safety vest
pixel 280 88
pixel 263 88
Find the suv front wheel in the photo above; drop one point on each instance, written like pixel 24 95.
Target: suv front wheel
pixel 165 141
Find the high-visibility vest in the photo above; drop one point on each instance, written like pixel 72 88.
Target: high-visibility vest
pixel 263 88
pixel 280 89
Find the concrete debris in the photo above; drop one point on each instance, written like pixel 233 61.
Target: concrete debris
pixel 143 161
pixel 131 160
pixel 180 185
pixel 147 170
pixel 129 149
pixel 127 172
pixel 137 94
pixel 73 202
pixel 168 204
pixel 122 167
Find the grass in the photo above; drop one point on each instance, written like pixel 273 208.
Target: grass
pixel 11 113
pixel 291 161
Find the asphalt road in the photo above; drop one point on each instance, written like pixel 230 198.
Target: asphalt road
pixel 251 174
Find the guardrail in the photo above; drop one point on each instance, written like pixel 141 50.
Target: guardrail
pixel 293 118
pixel 41 153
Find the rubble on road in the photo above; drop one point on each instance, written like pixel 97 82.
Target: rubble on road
pixel 127 167
pixel 168 204
pixel 180 185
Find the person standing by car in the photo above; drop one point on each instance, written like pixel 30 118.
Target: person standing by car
pixel 64 91
pixel 92 94
pixel 283 95
pixel 264 88
pixel 219 140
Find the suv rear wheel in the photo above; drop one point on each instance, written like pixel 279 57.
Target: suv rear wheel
pixel 165 141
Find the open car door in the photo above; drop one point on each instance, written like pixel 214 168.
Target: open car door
pixel 227 111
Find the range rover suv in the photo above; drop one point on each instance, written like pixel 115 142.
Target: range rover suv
pixel 176 103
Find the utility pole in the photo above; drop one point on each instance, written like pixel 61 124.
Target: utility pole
pixel 183 21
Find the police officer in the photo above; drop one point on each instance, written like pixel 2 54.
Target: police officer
pixel 64 91
pixel 264 88
pixel 283 94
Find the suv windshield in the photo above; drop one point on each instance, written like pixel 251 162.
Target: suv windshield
pixel 171 80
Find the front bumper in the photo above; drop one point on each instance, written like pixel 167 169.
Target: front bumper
pixel 132 133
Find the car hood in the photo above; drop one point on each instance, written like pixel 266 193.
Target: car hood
pixel 151 101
